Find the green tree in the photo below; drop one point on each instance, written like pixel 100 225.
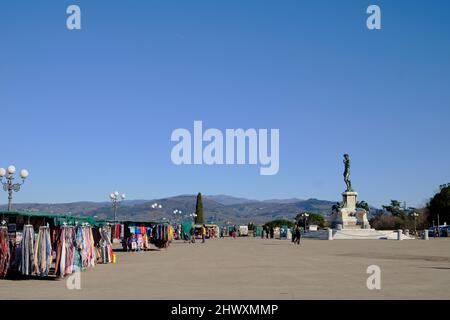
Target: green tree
pixel 279 223
pixel 440 204
pixel 396 209
pixel 199 210
pixel 390 222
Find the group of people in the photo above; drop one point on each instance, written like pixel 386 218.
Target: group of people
pixel 267 232
pixel 438 232
pixel 203 232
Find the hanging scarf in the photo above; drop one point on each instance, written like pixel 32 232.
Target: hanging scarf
pixel 5 254
pixel 70 248
pixel 43 252
pixel 27 264
pixel 60 252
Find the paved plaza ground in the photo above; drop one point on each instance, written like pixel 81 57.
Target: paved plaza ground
pixel 253 268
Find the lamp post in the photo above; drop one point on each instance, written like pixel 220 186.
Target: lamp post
pixel 305 216
pixel 156 206
pixel 177 215
pixel 116 199
pixel 415 215
pixel 9 185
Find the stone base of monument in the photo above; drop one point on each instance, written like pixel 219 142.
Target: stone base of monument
pixel 348 217
pixel 356 234
pixel 350 222
pixel 364 234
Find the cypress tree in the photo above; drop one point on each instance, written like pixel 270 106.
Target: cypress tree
pixel 199 209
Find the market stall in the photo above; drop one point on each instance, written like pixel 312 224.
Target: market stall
pixel 139 235
pixel 42 244
pixel 212 231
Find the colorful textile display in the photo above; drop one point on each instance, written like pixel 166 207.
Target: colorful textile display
pixel 75 250
pixel 15 239
pixel 90 253
pixel 27 264
pixel 85 254
pixel 161 235
pixel 117 231
pixel 70 249
pixel 106 251
pixel 5 254
pixel 170 233
pixel 65 251
pixel 145 242
pixel 53 245
pixel 43 252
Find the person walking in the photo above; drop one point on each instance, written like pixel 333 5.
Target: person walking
pixel 298 235
pixel 294 235
pixel 203 233
pixel 435 232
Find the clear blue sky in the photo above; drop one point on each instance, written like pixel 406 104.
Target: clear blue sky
pixel 91 111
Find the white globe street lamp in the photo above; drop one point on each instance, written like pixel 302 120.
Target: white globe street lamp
pixel 8 184
pixel 24 174
pixel 11 169
pixel 305 216
pixel 156 206
pixel 415 215
pixel 177 215
pixel 116 199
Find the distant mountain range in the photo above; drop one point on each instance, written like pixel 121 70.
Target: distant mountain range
pixel 218 208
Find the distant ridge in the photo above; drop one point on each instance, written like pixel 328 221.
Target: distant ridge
pixel 290 200
pixel 228 200
pixel 218 208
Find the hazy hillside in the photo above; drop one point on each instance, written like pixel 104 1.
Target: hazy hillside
pixel 218 208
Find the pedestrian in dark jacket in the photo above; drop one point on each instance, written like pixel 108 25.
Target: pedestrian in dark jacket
pixel 298 235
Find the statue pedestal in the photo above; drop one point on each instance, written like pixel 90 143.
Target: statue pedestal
pixel 350 217
pixel 349 199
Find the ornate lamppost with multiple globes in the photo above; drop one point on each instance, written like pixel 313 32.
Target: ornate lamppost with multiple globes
pixel 156 206
pixel 177 215
pixel 305 216
pixel 116 199
pixel 9 185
